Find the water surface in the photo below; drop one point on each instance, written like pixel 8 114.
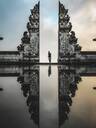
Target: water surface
pixel 47 97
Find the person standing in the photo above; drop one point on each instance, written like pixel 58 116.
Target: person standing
pixel 49 56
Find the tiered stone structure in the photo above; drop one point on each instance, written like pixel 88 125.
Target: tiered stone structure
pixel 67 41
pixel 29 47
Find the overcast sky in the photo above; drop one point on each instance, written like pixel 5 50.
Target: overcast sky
pixel 14 16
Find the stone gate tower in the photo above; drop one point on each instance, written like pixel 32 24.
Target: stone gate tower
pixel 67 41
pixel 29 47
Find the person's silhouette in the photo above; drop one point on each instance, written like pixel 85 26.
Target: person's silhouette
pixel 49 56
pixel 49 70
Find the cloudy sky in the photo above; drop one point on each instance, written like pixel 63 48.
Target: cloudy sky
pixel 14 16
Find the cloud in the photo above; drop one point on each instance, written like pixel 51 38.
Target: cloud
pixel 14 16
pixel 49 39
pixel 84 23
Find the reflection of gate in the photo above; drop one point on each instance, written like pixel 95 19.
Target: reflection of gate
pixel 68 80
pixel 29 80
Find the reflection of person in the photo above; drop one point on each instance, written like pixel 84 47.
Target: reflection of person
pixel 49 56
pixel 49 71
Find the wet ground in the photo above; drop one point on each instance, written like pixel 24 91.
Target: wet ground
pixel 47 97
